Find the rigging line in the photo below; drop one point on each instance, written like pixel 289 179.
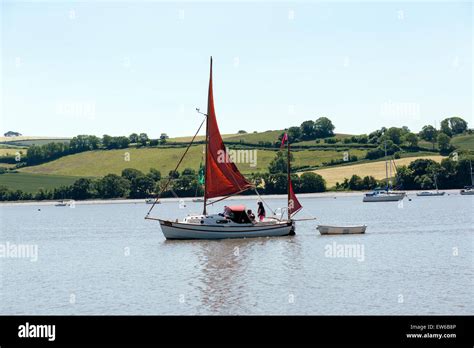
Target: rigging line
pixel 221 199
pixel 264 202
pixel 175 170
pixel 174 193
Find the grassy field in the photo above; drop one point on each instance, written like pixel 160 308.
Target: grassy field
pixel 33 182
pixel 67 169
pixel 249 138
pixel 272 136
pixel 28 140
pixel 254 138
pixel 12 151
pixel 100 163
pixel 375 169
pixel 198 138
pixel 464 142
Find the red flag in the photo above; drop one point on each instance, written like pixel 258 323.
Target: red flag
pixel 285 138
pixel 294 205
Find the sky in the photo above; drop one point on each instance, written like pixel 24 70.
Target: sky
pixel 114 68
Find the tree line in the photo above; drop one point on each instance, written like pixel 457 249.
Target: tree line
pixel 38 154
pixel 133 183
pixel 451 173
pixel 393 138
pixel 421 174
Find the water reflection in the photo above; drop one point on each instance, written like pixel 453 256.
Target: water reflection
pixel 223 265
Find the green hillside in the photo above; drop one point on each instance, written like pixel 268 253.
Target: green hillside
pixel 255 138
pixel 31 183
pixel 102 162
pixel 65 170
pixel 27 140
pixel 464 142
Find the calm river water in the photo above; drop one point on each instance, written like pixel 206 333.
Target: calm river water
pixel 106 259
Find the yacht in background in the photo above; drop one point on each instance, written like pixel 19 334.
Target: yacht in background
pixel 429 193
pixel 469 190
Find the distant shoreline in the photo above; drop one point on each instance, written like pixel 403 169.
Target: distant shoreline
pixel 327 194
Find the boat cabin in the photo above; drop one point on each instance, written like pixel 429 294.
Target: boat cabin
pixel 237 213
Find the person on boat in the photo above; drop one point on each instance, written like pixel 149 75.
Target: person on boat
pixel 260 211
pixel 229 214
pixel 251 215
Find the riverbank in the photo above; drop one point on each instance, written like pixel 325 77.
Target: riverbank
pixel 328 194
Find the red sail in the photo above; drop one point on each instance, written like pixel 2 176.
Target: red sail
pixel 222 176
pixel 294 205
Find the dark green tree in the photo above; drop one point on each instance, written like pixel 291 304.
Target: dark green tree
pixel 411 139
pixel 453 125
pixel 112 186
pixel 444 143
pixel 279 163
pixel 82 188
pixel 323 128
pixel 307 130
pixel 429 133
pixel 143 139
pixel 133 138
pixel 312 182
pixel 131 173
pixel 155 174
pixel 141 187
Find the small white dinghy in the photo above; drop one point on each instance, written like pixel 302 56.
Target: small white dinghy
pixel 325 229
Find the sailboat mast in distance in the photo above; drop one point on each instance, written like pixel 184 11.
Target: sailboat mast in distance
pixel 386 169
pixel 209 99
pixel 288 177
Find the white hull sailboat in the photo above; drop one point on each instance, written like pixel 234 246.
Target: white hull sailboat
pixel 469 190
pixel 383 196
pixel 222 179
pixel 211 230
pixel 387 195
pixel 430 193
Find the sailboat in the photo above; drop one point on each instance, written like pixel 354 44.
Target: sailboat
pixel 469 190
pixel 429 194
pixel 384 195
pixel 222 179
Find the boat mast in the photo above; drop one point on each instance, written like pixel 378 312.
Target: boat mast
pixel 472 176
pixel 289 177
pixel 204 211
pixel 390 176
pixel 386 169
